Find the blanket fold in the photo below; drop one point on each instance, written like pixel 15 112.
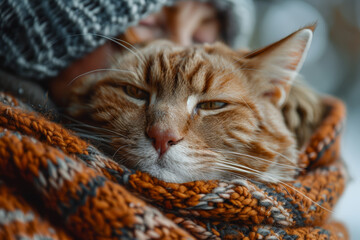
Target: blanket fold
pixel 55 185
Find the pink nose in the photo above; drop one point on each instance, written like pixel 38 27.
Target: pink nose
pixel 162 139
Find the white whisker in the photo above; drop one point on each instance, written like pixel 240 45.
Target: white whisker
pixel 99 70
pixel 302 194
pixel 118 149
pixel 114 40
pixel 91 126
pixel 256 158
pixel 285 157
pixel 89 136
pixel 236 168
pixel 132 46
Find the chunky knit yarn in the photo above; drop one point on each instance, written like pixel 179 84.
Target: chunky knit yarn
pixel 53 185
pixel 39 38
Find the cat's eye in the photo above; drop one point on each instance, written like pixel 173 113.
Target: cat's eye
pixel 211 105
pixel 135 92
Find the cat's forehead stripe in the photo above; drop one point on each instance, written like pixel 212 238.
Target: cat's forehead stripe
pixel 164 64
pixel 208 81
pixel 194 71
pixel 147 72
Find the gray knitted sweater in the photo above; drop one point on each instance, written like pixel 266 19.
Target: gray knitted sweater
pixel 39 38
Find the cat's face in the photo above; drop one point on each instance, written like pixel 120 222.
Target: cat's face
pixel 199 112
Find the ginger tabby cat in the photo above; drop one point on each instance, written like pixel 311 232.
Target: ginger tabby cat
pixel 203 111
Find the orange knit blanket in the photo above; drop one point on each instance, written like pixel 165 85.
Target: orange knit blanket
pixel 55 185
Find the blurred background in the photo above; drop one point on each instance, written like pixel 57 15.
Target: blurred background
pixel 332 67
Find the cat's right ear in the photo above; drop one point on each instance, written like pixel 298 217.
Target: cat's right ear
pixel 273 68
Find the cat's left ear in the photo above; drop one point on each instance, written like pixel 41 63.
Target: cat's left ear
pixel 273 68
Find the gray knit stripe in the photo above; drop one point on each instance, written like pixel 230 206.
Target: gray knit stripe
pixel 40 38
pixel 38 28
pixel 20 57
pixel 7 217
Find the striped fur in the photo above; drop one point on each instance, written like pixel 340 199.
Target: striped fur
pixel 248 137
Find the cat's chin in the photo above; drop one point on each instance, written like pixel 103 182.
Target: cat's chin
pixel 170 170
pixel 169 176
pixel 178 176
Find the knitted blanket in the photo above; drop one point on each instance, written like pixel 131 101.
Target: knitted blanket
pixel 54 185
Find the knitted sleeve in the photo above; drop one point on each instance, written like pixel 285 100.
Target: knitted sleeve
pixel 40 38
